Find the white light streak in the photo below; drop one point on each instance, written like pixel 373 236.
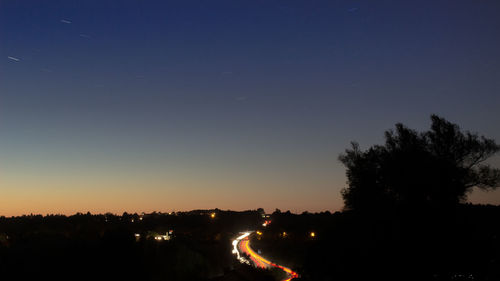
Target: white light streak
pixel 235 248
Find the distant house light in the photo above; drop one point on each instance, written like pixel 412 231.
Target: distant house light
pixel 164 237
pixel 137 237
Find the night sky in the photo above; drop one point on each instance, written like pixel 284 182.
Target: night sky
pixel 177 105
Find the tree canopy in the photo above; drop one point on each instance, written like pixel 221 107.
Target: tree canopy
pixel 435 168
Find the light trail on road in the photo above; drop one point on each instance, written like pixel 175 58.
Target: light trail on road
pixel 243 243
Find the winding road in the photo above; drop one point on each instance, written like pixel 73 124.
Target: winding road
pixel 242 244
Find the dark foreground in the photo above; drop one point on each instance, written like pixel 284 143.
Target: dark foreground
pixel 460 245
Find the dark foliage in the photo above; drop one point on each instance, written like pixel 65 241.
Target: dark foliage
pixel 436 168
pixel 464 245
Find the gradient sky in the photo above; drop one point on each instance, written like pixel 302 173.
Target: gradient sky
pixel 177 105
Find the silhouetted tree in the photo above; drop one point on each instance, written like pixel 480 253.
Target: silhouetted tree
pixel 433 168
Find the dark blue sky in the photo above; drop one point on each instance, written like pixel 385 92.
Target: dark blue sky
pixel 160 105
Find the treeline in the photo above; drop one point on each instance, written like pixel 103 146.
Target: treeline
pixel 122 247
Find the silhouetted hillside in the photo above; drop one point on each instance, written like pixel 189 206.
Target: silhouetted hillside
pixel 178 246
pixel 463 244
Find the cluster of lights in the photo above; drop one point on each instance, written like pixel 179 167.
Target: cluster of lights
pixel 164 237
pixel 463 276
pixel 212 215
pixel 266 223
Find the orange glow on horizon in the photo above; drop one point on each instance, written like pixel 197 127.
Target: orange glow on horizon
pixel 68 195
